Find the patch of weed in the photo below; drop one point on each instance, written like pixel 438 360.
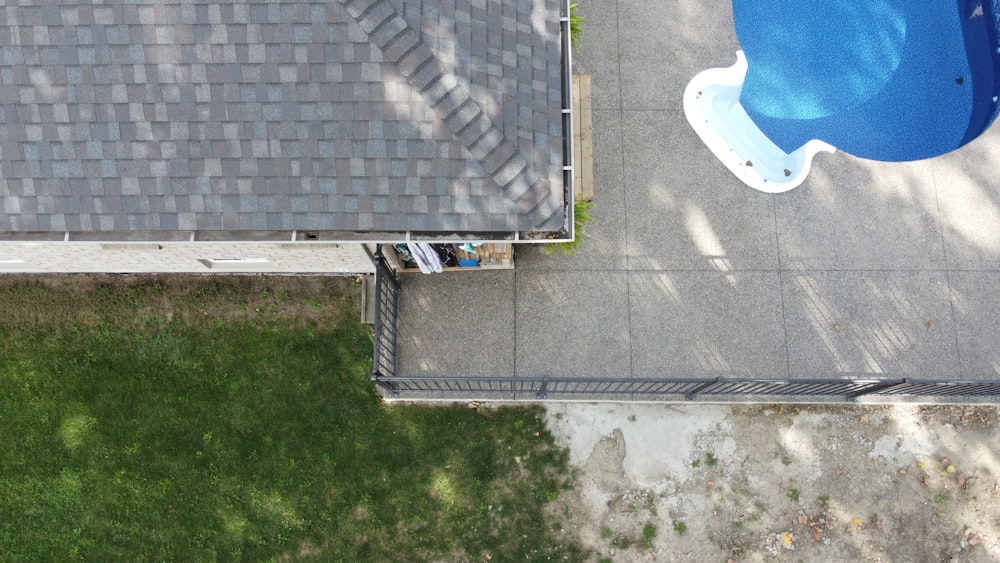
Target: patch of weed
pixel 793 494
pixel 575 26
pixel 622 542
pixel 711 460
pixel 206 289
pixel 581 216
pixel 680 527
pixel 650 501
pixel 824 500
pixel 648 533
pixel 939 504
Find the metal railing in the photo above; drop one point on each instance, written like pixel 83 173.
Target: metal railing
pixel 386 312
pixel 715 389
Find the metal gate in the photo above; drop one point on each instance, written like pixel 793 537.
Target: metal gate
pixel 386 311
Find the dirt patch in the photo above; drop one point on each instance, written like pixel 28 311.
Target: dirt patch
pixel 754 483
pixel 91 298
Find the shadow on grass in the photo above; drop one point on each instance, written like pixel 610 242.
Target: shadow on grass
pixel 253 437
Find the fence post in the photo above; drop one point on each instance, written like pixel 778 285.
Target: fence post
pixel 543 391
pixel 387 386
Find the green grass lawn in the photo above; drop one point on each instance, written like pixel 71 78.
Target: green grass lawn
pixel 232 419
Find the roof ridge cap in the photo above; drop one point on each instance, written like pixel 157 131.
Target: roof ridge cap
pixel 402 46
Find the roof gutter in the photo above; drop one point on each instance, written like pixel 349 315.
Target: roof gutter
pixel 569 189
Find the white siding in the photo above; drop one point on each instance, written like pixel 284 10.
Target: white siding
pixel 183 257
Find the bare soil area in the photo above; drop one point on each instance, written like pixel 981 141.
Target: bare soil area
pixel 91 298
pixel 740 483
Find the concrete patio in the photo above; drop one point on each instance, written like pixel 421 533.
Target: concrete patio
pixel 868 270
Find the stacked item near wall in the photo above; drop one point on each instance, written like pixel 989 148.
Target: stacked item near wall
pixel 433 258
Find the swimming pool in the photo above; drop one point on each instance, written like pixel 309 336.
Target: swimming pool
pixel 889 80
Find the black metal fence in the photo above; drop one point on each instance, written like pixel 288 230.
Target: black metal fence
pixel 386 311
pixel 715 389
pixel 635 389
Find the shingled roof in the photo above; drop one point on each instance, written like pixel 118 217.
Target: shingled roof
pixel 347 115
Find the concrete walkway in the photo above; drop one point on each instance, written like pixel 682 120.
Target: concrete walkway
pixel 868 270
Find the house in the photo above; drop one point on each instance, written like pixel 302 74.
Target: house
pixel 281 136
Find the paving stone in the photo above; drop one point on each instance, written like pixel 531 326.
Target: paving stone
pixel 868 324
pixel 556 338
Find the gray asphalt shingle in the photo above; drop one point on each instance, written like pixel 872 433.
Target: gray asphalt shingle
pixel 387 115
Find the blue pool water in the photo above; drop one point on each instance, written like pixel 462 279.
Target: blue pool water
pixel 881 79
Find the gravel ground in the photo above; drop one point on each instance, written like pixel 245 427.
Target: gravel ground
pixel 787 483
